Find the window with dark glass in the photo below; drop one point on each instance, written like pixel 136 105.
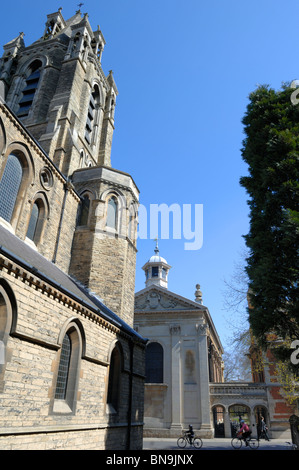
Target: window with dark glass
pixel 154 363
pixel 29 90
pixel 114 379
pixel 155 271
pixel 91 114
pixel 9 186
pixel 84 210
pixel 63 370
pixel 31 232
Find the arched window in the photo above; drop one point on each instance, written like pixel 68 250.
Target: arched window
pixel 7 320
pixel 68 371
pixel 83 210
pixel 63 370
pixel 114 379
pixel 4 320
pixel 9 186
pixel 154 363
pixel 33 222
pixel 92 116
pixel 29 89
pixel 112 213
pixel 37 218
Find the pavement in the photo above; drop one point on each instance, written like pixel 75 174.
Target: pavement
pixel 214 444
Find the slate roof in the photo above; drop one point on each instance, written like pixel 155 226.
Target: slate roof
pixel 22 254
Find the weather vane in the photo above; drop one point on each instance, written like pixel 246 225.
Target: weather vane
pixel 80 5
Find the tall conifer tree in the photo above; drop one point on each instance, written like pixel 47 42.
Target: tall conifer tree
pixel 271 150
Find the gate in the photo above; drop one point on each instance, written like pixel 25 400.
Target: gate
pixel 218 417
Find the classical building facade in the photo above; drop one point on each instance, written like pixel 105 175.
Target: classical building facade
pixel 71 365
pixel 184 369
pixel 183 355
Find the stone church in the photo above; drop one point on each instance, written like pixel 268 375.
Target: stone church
pixel 76 372
pixel 71 365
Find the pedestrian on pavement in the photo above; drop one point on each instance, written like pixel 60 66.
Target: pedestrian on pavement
pixel 264 429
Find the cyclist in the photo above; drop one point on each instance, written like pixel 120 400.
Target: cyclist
pixel 244 431
pixel 190 434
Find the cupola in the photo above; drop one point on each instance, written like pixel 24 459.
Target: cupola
pixel 156 270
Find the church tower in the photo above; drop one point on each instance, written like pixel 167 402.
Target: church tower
pixel 59 91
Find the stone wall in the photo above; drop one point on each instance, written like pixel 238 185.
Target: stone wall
pixel 28 377
pixel 59 224
pixel 104 259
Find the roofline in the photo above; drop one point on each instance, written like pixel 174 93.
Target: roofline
pixel 198 306
pixel 103 311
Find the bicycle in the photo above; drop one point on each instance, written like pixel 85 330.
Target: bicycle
pixel 237 442
pixel 186 439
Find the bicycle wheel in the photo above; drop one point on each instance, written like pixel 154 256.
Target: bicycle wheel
pixel 236 443
pixel 181 442
pixel 197 442
pixel 253 443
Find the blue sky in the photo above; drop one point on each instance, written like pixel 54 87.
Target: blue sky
pixel 184 70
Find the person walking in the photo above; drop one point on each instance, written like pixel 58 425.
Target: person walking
pixel 264 429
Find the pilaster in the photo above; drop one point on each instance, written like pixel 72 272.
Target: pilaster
pixel 204 391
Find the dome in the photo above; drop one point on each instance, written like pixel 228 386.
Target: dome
pixel 156 270
pixel 157 259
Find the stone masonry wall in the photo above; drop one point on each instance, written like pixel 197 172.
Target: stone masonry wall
pixel 61 199
pixel 28 381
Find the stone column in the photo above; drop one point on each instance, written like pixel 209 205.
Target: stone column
pixel 176 391
pixel 227 427
pixel 204 391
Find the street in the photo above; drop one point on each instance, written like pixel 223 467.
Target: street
pixel 214 444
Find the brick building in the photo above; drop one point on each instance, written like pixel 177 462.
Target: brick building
pixel 71 366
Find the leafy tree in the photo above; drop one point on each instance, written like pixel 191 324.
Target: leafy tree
pixel 271 150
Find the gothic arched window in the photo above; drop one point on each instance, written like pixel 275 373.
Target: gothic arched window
pixel 38 214
pixel 154 363
pixel 68 370
pixel 63 370
pixel 114 378
pixel 83 210
pixel 33 221
pixel 92 116
pixel 9 186
pixel 30 87
pixel 111 220
pixel 7 320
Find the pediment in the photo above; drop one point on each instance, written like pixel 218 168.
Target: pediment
pixel 156 298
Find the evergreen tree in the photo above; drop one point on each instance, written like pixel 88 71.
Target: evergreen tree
pixel 271 150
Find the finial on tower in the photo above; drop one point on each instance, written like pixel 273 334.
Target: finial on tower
pixel 157 247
